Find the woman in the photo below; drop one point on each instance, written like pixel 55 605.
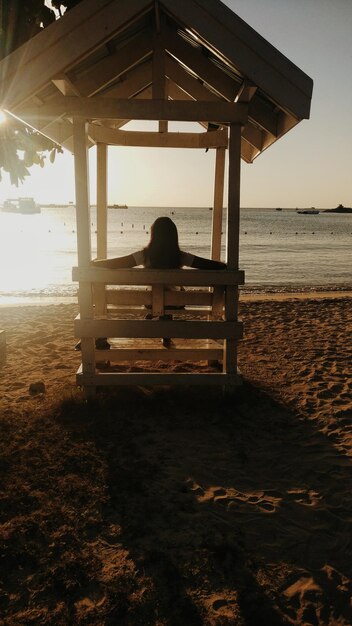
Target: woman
pixel 162 252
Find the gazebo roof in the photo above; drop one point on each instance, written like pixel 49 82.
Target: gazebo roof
pixel 103 56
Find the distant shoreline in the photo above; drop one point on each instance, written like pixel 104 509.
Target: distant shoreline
pixel 338 210
pixel 249 293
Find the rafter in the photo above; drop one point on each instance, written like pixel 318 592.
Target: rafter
pixel 253 135
pixel 246 91
pixel 203 68
pixel 131 83
pixel 260 113
pixel 248 153
pixel 111 67
pixel 33 65
pixel 187 82
pixel 233 41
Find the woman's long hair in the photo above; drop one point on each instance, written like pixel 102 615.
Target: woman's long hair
pixel 163 251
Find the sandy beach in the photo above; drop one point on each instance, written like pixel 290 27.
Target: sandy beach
pixel 180 507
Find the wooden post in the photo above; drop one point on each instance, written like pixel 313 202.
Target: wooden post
pixel 218 203
pixel 83 239
pixel 159 81
pixel 232 241
pixel 102 201
pixel 217 218
pixel 102 222
pixel 82 192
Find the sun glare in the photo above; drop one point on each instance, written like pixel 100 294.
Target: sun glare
pixel 2 117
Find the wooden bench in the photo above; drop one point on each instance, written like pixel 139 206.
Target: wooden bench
pixel 200 328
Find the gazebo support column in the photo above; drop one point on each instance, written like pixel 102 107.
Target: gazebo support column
pixel 218 203
pixel 102 220
pixel 232 242
pixel 102 200
pixel 85 299
pixel 217 211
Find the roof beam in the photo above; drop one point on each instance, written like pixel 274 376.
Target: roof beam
pixel 260 113
pixel 159 80
pixel 61 131
pixel 157 16
pixel 285 123
pixel 177 93
pixel 203 68
pixel 144 94
pixel 111 67
pixel 233 40
pixel 257 110
pixel 246 91
pixel 65 86
pixel 131 83
pixel 109 108
pixel 253 135
pixel 187 82
pixel 114 137
pixel 86 27
pixel 248 153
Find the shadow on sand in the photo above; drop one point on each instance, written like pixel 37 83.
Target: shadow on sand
pixel 218 510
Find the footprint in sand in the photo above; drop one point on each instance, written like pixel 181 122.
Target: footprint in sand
pixel 224 607
pixel 335 387
pixel 267 507
pixel 22 399
pixel 18 385
pixel 306 498
pixel 325 393
pixel 304 372
pixel 219 604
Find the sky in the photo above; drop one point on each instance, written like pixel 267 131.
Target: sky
pixel 310 166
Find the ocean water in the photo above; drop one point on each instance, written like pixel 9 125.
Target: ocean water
pixel 278 249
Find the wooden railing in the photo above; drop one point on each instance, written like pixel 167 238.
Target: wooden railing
pixel 204 322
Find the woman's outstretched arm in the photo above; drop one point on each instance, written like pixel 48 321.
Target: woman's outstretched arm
pixel 201 263
pixel 116 263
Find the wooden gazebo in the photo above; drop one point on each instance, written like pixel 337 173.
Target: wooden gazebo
pixel 106 62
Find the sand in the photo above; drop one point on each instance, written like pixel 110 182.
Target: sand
pixel 180 507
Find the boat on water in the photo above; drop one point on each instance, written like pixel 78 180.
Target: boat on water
pixel 26 206
pixel 311 211
pixel 339 209
pixel 118 206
